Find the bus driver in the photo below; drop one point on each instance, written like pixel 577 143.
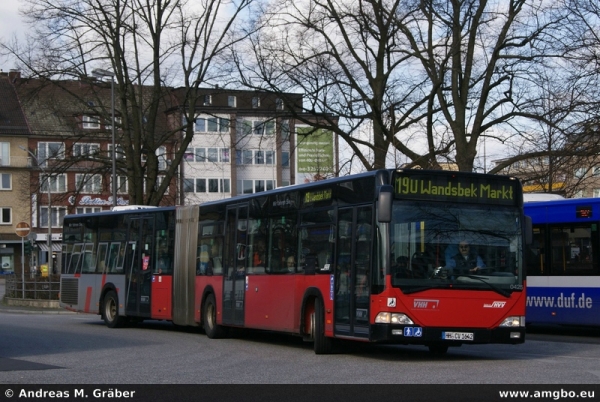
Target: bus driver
pixel 465 261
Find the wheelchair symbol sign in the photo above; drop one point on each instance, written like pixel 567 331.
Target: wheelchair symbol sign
pixel 416 332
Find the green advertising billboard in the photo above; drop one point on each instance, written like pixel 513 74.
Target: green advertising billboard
pixel 315 153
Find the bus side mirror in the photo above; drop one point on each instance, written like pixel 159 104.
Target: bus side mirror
pixel 384 201
pixel 528 230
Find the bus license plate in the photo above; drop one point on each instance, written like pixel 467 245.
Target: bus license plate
pixel 458 336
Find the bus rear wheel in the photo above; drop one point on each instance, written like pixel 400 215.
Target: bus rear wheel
pixel 110 312
pixel 323 344
pixel 209 318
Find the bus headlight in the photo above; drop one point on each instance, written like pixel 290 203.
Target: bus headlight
pixel 393 318
pixel 513 321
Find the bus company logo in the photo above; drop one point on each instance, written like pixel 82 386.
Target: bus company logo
pixel 496 304
pixel 426 304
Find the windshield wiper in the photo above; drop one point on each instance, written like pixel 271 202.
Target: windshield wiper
pixel 496 289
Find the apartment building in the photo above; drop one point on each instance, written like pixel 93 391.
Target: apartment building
pixel 57 138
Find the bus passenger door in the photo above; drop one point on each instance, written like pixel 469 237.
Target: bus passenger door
pixel 235 265
pixel 353 272
pixel 138 252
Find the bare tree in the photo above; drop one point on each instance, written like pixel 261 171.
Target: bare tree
pixel 426 78
pixel 559 152
pixel 149 46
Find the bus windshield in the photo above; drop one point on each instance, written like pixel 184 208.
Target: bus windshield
pixel 438 245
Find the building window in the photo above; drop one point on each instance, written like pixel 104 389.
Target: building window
pixel 88 183
pixel 211 125
pixel 257 127
pixel 580 172
pixel 85 150
pixel 285 130
pixel 6 216
pixel 224 155
pixel 285 159
pixel 596 171
pixel 596 192
pixel 270 157
pixel 213 185
pixel 50 150
pixel 270 127
pixel 207 100
pixel 231 101
pixel 91 122
pixel 57 216
pixel 247 157
pixel 188 185
pixel 4 153
pixel 108 123
pixel 88 210
pixel 5 181
pixel 121 184
pixel 255 102
pixel 225 186
pixel 161 154
pixel 254 186
pixel 213 154
pixel 120 152
pixel 259 157
pixel 158 183
pixel 245 128
pixel 201 185
pixel 207 185
pixel 58 183
pixel 278 104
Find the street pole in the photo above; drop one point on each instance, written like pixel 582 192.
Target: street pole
pixel 114 149
pixel 23 268
pixel 49 240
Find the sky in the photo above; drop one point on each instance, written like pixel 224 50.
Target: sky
pixel 10 23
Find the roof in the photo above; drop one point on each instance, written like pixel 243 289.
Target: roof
pixel 12 118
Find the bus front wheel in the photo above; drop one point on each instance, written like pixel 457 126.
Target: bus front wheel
pixel 110 313
pixel 209 318
pixel 323 344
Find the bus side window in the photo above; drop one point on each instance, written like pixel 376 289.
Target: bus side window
pixel 113 256
pixel 102 254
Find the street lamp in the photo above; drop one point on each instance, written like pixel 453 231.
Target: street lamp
pixel 49 239
pixel 101 74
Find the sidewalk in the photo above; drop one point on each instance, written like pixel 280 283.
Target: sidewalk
pixel 5 308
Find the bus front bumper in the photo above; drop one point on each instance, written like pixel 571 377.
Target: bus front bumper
pixel 387 333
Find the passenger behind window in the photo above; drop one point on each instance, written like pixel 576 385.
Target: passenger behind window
pixel 291 263
pixel 400 268
pixel 215 264
pixel 164 260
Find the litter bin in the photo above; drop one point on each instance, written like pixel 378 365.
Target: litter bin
pixel 44 270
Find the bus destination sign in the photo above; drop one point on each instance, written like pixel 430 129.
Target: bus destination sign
pixel 456 188
pixel 317 196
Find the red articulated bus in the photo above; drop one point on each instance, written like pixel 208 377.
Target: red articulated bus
pixel 380 257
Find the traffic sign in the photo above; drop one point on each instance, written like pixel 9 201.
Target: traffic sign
pixel 23 229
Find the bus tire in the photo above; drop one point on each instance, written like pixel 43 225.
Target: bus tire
pixel 323 344
pixel 209 319
pixel 110 310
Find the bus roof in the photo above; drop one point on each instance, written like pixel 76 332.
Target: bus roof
pixel 567 210
pixel 537 197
